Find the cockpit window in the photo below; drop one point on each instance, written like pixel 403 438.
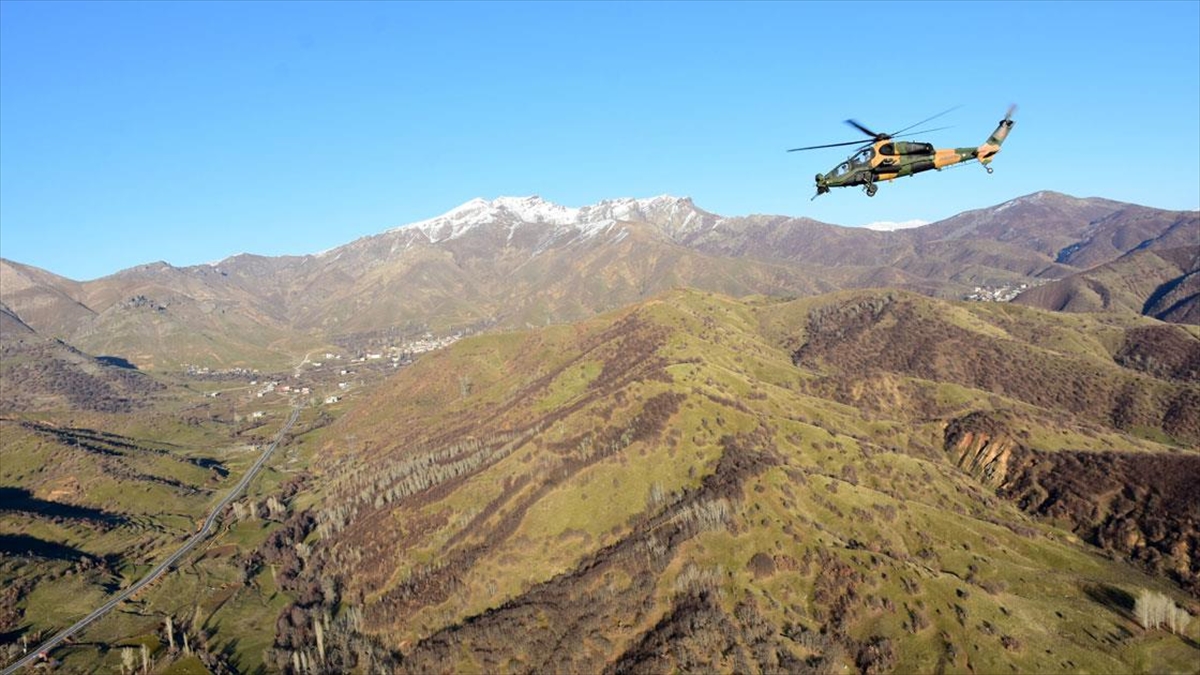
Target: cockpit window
pixel 842 169
pixel 863 158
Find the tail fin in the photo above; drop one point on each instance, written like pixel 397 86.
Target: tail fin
pixel 991 146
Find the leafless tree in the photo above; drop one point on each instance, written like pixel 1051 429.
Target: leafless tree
pixel 1154 609
pixel 320 631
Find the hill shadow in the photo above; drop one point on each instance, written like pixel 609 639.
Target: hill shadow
pixel 22 544
pixel 1162 291
pixel 1120 602
pixel 117 361
pixel 18 499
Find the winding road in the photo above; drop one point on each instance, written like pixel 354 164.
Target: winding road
pixel 201 534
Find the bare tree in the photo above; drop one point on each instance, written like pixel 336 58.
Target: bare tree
pixel 1178 619
pixel 276 507
pixel 320 631
pixel 1154 609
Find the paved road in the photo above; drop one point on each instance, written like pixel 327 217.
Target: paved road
pixel 203 533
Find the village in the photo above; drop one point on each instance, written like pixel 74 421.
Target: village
pixel 1002 293
pixel 332 374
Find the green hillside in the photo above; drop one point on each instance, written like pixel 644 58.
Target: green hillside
pixel 698 483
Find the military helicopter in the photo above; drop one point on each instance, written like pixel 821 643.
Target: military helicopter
pixel 884 158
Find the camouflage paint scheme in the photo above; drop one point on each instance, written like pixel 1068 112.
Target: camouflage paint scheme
pixel 887 159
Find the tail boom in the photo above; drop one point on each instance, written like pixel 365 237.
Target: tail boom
pixel 991 146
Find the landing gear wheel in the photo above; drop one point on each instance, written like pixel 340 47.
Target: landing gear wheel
pixel 871 189
pixel 989 169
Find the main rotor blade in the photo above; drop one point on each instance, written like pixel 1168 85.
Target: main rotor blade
pixel 922 131
pixel 944 112
pixel 838 145
pixel 830 145
pixel 863 129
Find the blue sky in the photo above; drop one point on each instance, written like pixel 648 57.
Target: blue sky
pixel 134 132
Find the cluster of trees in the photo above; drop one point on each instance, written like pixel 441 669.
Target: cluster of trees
pixel 378 485
pixel 286 552
pixel 185 639
pixel 130 660
pixel 836 596
pixel 1155 610
pixel 251 509
pixel 876 656
pixel 1163 351
pixel 703 514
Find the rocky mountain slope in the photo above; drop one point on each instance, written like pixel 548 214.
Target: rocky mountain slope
pixel 45 374
pixel 1162 283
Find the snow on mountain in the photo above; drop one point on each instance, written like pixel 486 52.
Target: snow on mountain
pixel 888 226
pixel 674 214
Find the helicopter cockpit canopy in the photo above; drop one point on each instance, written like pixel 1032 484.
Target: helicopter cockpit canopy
pixel 862 158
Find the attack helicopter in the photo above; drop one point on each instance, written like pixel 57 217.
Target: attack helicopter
pixel 884 158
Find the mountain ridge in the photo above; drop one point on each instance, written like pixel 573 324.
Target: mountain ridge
pixel 516 261
pixel 655 210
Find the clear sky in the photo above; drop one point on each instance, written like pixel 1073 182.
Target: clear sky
pixel 189 132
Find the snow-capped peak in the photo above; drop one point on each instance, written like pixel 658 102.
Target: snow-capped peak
pixel 673 213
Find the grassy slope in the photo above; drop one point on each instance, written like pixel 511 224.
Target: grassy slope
pixel 569 481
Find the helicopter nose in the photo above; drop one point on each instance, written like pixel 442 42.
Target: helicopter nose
pixel 822 186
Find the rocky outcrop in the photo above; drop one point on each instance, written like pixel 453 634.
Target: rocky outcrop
pixel 981 445
pixel 1142 506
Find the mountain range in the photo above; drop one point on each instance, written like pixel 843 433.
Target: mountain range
pixel 513 262
pixel 663 440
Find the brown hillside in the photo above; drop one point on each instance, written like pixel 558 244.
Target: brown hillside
pixel 46 302
pixel 909 336
pixel 43 374
pixel 1162 283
